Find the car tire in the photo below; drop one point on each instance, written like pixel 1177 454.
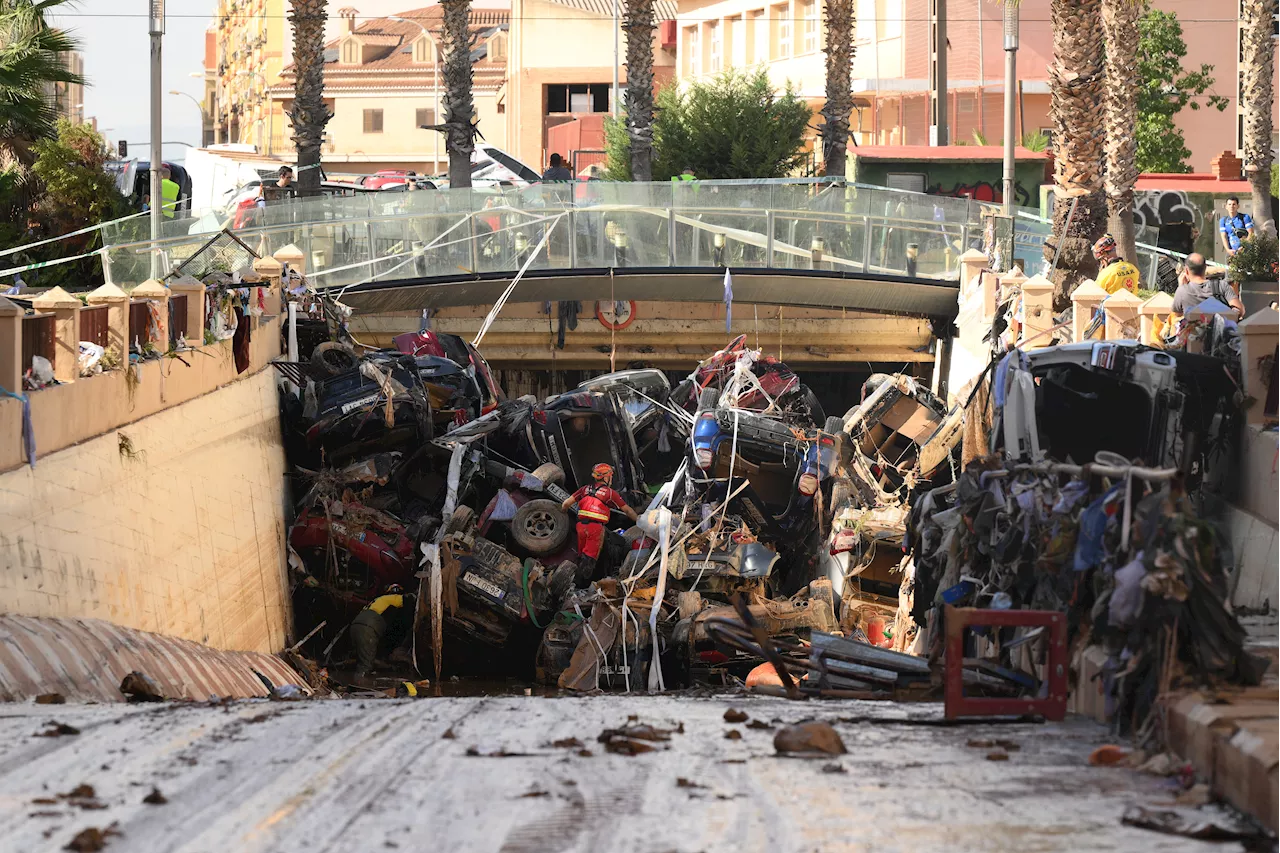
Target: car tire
pixel 708 398
pixel 462 519
pixel 834 425
pixel 540 527
pixel 549 474
pixel 332 358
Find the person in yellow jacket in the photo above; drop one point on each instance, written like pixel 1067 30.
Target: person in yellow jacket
pixel 169 192
pixel 1114 273
pixel 388 614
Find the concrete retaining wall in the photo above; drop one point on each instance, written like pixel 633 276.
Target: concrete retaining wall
pixel 172 523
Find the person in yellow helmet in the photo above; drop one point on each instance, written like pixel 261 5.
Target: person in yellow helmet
pixel 169 192
pixel 1114 273
pixel 390 614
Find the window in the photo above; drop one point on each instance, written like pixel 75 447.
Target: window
pixel 733 42
pixel 866 20
pixel 422 49
pixel 908 181
pixel 694 51
pixel 716 61
pixel 809 8
pixel 577 98
pixel 889 17
pixel 781 18
pixel 424 117
pixel 350 52
pixel 498 48
pixel 964 104
pixel 373 121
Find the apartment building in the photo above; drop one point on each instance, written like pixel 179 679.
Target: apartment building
pixel 68 98
pixel 561 67
pixel 252 44
pixel 891 64
pixel 383 81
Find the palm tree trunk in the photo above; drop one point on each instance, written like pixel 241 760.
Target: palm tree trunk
pixel 459 107
pixel 309 114
pixel 1075 105
pixel 839 49
pixel 1257 91
pixel 638 20
pixel 1120 113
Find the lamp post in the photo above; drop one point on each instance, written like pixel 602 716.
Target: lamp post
pixel 435 81
pixel 199 106
pixel 156 31
pixel 1010 104
pixel 271 115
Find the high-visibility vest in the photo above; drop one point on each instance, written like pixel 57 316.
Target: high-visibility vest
pixel 169 192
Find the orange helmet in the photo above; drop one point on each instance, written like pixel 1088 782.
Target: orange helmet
pixel 1105 247
pixel 603 473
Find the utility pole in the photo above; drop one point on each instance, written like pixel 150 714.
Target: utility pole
pixel 157 154
pixel 939 133
pixel 1010 100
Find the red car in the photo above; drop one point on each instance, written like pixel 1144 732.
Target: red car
pixel 386 178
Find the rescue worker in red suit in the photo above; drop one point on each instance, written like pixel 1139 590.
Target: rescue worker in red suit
pixel 594 502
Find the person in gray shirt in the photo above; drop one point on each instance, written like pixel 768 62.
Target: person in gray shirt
pixel 1195 287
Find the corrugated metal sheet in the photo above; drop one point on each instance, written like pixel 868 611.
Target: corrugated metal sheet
pixel 85 660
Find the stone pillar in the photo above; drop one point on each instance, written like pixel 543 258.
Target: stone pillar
pixel 66 331
pixel 270 270
pixel 117 302
pixel 193 289
pixel 1037 312
pixel 972 263
pixel 1157 308
pixel 292 257
pixel 1121 309
pixel 1084 300
pixel 1259 332
pixel 153 290
pixel 10 346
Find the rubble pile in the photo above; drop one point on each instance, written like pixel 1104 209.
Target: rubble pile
pixel 635 533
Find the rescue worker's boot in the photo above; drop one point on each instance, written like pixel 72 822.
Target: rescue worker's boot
pixel 586 570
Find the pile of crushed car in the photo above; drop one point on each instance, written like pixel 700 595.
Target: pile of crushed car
pixel 635 532
pixel 415 472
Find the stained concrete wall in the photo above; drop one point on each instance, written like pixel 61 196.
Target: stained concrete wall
pixel 171 523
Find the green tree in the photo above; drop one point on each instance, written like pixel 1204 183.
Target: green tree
pixel 733 126
pixel 1165 89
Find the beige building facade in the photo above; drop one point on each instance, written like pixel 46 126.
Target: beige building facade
pixel 383 82
pixel 251 45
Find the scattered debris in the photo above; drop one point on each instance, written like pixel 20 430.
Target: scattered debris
pixel 56 729
pixel 760 724
pixel 155 798
pixel 449 734
pixel 813 736
pixel 997 755
pixel 51 699
pixel 833 768
pixel 567 743
pixel 1192 824
pixel 1108 755
pixel 735 716
pixel 682 782
pixel 733 734
pixel 140 687
pixel 91 839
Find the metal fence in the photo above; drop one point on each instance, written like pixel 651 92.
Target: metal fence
pixel 93 324
pixel 37 338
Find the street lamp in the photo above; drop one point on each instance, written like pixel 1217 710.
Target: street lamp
pixel 271 116
pixel 1010 81
pixel 199 106
pixel 435 80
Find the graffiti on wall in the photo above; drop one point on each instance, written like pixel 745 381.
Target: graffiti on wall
pixel 983 191
pixel 1177 216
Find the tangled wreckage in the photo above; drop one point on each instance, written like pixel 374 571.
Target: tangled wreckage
pixel 774 545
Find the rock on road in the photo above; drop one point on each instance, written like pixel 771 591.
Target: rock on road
pixel 371 775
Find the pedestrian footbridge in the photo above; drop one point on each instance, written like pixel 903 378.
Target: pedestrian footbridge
pixel 806 243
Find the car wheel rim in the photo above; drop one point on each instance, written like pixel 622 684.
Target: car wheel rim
pixel 540 525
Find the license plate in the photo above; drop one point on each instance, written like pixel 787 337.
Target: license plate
pixel 359 404
pixel 482 584
pixel 704 566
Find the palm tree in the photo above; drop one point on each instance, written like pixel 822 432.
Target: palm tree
pixel 309 114
pixel 838 46
pixel 1257 59
pixel 31 55
pixel 1120 115
pixel 459 106
pixel 1075 105
pixel 639 25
